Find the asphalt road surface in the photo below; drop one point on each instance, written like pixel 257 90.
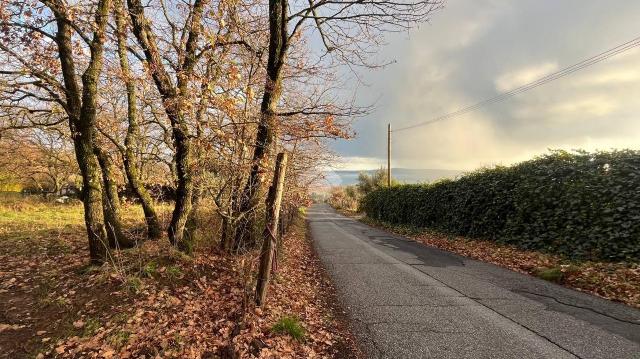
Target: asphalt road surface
pixel 408 300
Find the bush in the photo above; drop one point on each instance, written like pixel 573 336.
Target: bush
pixel 580 205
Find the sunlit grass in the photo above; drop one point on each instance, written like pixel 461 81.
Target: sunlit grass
pixel 41 214
pixel 38 214
pixel 30 225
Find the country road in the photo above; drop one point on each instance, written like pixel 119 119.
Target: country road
pixel 408 300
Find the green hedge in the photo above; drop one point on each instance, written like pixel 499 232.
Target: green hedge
pixel 580 205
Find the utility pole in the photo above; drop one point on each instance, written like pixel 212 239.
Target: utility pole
pixel 389 155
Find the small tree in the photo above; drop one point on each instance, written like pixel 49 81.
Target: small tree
pixel 336 198
pixel 376 180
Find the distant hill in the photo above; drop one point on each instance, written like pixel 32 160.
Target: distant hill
pixel 403 175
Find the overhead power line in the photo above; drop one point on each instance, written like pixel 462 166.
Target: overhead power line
pixel 531 85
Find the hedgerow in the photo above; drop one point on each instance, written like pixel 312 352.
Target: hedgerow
pixel 581 205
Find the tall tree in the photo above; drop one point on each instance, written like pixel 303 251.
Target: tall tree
pixel 176 56
pixel 154 230
pixel 345 27
pixel 46 41
pixel 278 44
pixel 175 100
pixel 82 112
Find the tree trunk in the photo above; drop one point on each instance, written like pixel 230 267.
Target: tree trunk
pixel 154 230
pixel 81 109
pixel 265 138
pixel 269 244
pixel 184 190
pixel 175 101
pixel 111 203
pixel 92 199
pixel 226 236
pixel 192 220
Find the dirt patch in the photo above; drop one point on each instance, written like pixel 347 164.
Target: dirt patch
pixel 46 285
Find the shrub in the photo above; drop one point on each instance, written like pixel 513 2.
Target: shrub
pixel 580 205
pixel 150 269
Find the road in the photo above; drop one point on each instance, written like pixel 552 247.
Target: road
pixel 408 300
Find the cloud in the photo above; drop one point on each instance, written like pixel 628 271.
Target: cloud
pixel 356 163
pixel 470 53
pixel 612 77
pixel 514 79
pixel 567 109
pixel 590 106
pixel 461 144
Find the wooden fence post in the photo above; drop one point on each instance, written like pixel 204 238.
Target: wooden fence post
pixel 274 199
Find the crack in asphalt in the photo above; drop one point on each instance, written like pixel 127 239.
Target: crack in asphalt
pixel 491 309
pixel 578 306
pixel 534 331
pixel 375 239
pixel 380 351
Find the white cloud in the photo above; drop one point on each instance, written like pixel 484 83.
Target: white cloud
pixel 612 77
pixel 359 163
pixel 448 144
pixel 590 106
pixel 513 79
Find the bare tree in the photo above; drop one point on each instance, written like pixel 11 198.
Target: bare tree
pixel 348 29
pixel 39 158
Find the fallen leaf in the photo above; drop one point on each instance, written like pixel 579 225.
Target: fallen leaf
pixel 78 324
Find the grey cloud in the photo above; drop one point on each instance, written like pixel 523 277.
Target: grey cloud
pixel 456 60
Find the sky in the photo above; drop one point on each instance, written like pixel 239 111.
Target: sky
pixel 476 49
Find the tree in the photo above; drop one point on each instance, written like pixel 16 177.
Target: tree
pixel 177 94
pixel 39 159
pixel 34 78
pixel 175 103
pixel 344 27
pixel 369 183
pixel 154 230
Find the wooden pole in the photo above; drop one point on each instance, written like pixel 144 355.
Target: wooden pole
pixel 389 155
pixel 274 199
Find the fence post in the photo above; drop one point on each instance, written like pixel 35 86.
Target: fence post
pixel 274 199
